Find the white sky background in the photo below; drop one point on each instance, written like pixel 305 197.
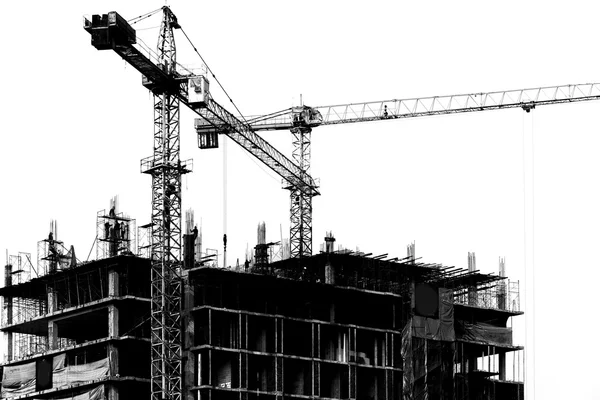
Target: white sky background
pixel 76 122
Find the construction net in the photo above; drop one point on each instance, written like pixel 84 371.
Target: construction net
pixel 76 374
pixel 18 380
pixel 21 379
pixel 484 333
pixel 428 353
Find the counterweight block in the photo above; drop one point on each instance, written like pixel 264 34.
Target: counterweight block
pixel 109 30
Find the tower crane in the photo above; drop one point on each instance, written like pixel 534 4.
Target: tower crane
pixel 301 120
pixel 172 87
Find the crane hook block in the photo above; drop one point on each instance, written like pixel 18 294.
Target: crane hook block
pixel 109 30
pixel 208 134
pixel 198 93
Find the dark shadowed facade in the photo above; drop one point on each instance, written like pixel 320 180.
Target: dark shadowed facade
pixel 337 325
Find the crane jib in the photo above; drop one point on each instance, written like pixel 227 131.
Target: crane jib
pixel 526 99
pixel 112 32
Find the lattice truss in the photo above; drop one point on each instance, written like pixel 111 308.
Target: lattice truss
pixel 166 168
pixel 301 198
pixel 144 240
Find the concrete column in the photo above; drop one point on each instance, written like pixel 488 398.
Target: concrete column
pixel 332 312
pixel 502 366
pixel 472 292
pixel 111 392
pixel 52 335
pixel 52 300
pixel 113 359
pixel 9 344
pixel 329 269
pixel 113 321
pixel 189 359
pixel 113 283
pixel 8 302
pixel 113 350
pixel 113 332
pixel 329 274
pixel 472 363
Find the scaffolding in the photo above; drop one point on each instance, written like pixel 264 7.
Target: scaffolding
pixel 115 231
pixel 280 251
pixel 501 295
pixel 26 345
pixel 23 308
pixel 22 269
pixel 144 240
pixel 27 306
pixel 53 255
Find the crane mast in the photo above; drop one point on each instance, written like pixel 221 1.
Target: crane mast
pixel 300 200
pixel 111 31
pixel 296 174
pixel 170 88
pixel 165 168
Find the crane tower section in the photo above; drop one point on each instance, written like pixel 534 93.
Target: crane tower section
pixel 165 168
pixel 300 198
pixel 110 31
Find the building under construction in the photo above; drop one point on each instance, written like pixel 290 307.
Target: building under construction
pixel 143 321
pixel 336 325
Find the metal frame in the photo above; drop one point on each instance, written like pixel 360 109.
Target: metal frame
pixel 300 198
pixel 166 169
pixel 526 99
pixel 243 134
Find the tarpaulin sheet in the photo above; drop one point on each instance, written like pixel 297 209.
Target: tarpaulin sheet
pixel 419 358
pixel 428 353
pixel 446 315
pixel 18 379
pixel 58 362
pixel 75 374
pixel 93 394
pixel 434 356
pixel 433 328
pixel 486 333
pixel 447 373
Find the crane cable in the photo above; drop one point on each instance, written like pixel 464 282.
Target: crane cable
pixel 139 18
pixel 229 98
pixel 149 14
pixel 529 247
pixel 224 147
pixel 224 203
pixel 213 75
